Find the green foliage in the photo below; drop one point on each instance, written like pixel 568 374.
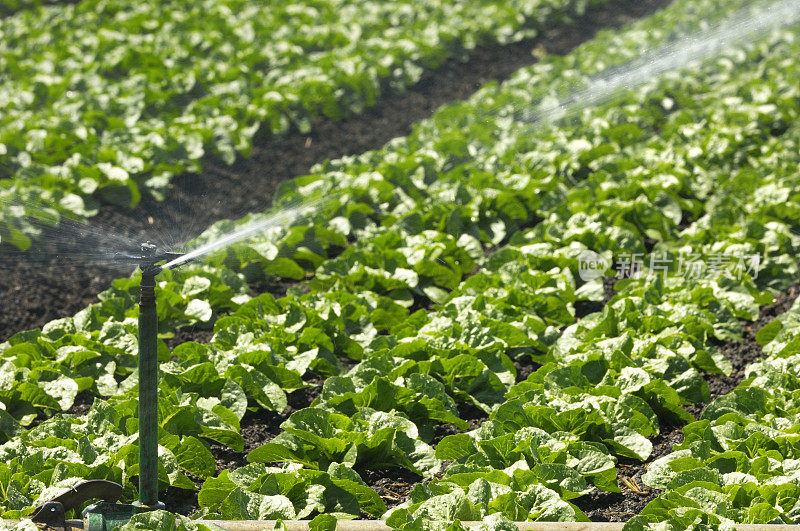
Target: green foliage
pixel 259 492
pixel 163 521
pixel 102 444
pixel 439 261
pixel 102 102
pixel 368 439
pixel 739 463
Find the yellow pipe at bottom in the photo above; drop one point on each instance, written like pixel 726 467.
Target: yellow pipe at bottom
pixel 377 525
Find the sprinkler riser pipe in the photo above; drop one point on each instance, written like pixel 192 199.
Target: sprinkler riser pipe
pixel 148 389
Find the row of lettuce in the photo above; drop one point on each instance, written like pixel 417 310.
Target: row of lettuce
pixel 413 246
pixel 8 7
pixel 618 372
pixel 616 176
pixel 105 100
pixel 739 462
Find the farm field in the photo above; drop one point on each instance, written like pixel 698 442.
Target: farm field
pixel 103 102
pixel 47 288
pixel 569 297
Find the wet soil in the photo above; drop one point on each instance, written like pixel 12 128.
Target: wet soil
pixel 195 333
pixel 80 406
pixel 393 484
pixel 472 414
pixel 261 426
pixel 60 283
pixel 620 506
pixel 584 308
pixel 525 367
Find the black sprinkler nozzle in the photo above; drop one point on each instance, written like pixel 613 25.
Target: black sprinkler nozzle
pixel 147 257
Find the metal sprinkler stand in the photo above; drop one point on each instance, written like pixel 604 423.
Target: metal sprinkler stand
pixel 107 514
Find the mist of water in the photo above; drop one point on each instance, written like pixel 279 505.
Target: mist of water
pixel 744 26
pixel 281 218
pixel 69 242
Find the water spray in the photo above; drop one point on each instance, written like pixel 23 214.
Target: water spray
pixel 107 514
pixel 282 218
pixel 736 30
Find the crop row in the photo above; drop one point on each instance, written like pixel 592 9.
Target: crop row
pixel 379 190
pixel 641 166
pixel 108 99
pixel 612 365
pixel 739 462
pixel 8 7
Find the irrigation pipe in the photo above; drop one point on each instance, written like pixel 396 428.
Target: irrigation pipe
pixel 377 525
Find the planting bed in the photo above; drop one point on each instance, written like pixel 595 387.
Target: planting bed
pixel 743 353
pixel 60 283
pixel 439 336
pixel 620 507
pixel 394 484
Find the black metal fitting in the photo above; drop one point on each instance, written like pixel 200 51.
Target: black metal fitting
pixel 147 258
pixel 52 513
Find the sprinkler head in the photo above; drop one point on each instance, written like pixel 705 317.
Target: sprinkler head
pixel 148 248
pixel 147 257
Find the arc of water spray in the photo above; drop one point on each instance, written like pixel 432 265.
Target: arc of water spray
pixel 280 218
pixel 741 27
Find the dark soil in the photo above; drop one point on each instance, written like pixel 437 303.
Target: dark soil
pixel 584 308
pixel 261 426
pixel 608 289
pixel 525 367
pixel 258 428
pixel 277 287
pixel 180 501
pixel 440 431
pixel 472 414
pixel 621 506
pixel 37 291
pixel 194 333
pixel 81 405
pixel 743 353
pixel 393 484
